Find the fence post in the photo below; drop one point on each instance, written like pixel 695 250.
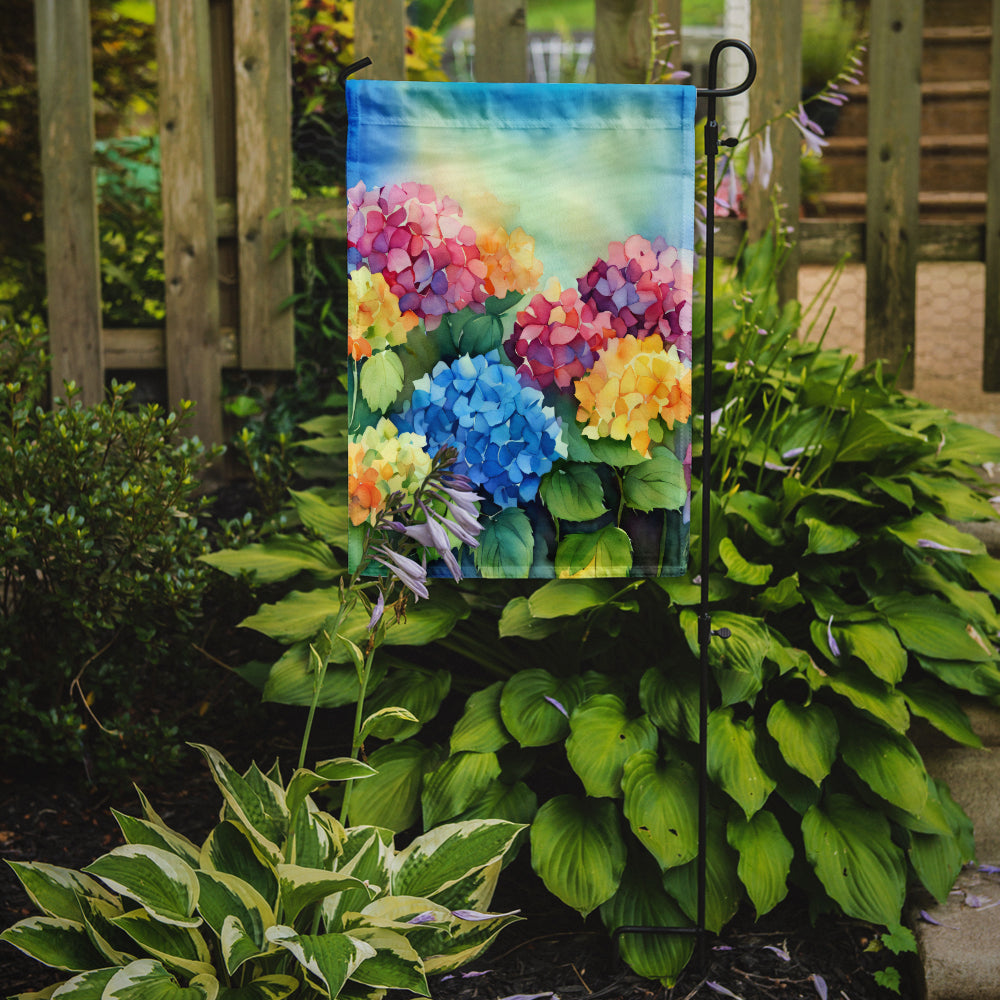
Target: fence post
pixel 991 333
pixel 190 251
pixel 622 39
pixel 776 34
pixel 501 41
pixel 893 183
pixel 72 255
pixel 380 34
pixel 262 61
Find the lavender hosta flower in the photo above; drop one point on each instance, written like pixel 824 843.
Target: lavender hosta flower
pixel 377 612
pixel 831 642
pixel 410 573
pixel 760 165
pixel 812 134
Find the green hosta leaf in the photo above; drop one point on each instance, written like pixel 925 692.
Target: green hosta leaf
pixel 738 661
pixel 440 858
pixel 986 572
pixel 765 858
pixel 975 605
pixel 416 689
pixel 86 986
pixel 957 501
pixel 391 798
pixel 141 831
pixel 928 528
pixel 976 678
pixel 572 491
pixel 603 553
pixel 641 901
pixel 661 798
pixel 181 948
pixel 330 959
pixel 328 520
pixel 456 784
pixel 807 736
pixel 274 987
pixel 559 598
pixel 395 964
pixel 98 914
pixel 506 545
pixel 657 484
pixel 387 722
pixel 468 940
pixel 481 728
pixel 163 884
pixel 238 944
pixel 147 979
pixel 54 941
pixel 828 539
pixel 292 680
pixel 888 763
pixel 225 897
pixel 936 704
pixel 931 628
pixel 304 782
pixel 515 803
pixel 732 760
pixel 381 379
pixel 865 692
pixel 876 646
pixel 301 887
pixel 850 847
pixel 937 858
pixel 893 488
pixel 230 849
pixel 738 569
pixel 871 435
pixel 671 700
pixel 578 851
pixel 965 443
pixel 517 620
pixel 783 595
pixel 601 739
pixel 279 558
pixel 366 855
pixel 760 512
pixel 56 891
pixel 528 710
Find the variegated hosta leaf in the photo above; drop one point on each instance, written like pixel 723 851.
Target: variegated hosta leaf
pixel 456 784
pixel 116 947
pixel 367 853
pixel 315 838
pixel 147 979
pixel 475 891
pixel 441 857
pixel 141 831
pixel 807 736
pixel 54 941
pixel 86 986
pixel 329 959
pixel 177 947
pixel 765 858
pixel 578 851
pixel 274 987
pixel 225 897
pixel 238 944
pixel 56 891
pixel 230 849
pixel 300 887
pixel 732 760
pixel 395 964
pixel 468 939
pixel 661 799
pixel 481 728
pixel 158 880
pixel 304 782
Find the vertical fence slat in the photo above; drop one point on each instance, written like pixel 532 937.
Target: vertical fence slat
pixel 776 34
pixel 991 332
pixel 261 41
pixel 72 257
pixel 380 34
pixel 621 40
pixel 190 253
pixel 501 41
pixel 669 12
pixel 893 183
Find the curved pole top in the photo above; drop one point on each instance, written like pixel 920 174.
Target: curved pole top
pixel 713 69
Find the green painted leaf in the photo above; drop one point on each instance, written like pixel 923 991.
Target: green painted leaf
pixel 850 848
pixel 56 891
pixel 147 979
pixel 527 709
pixel 604 553
pixel 391 798
pixel 932 628
pixel 577 850
pixel 506 545
pixel 936 704
pixel 619 454
pixel 765 858
pixel 381 379
pixel 456 784
pixel 602 737
pixel 732 760
pixel 657 484
pixel 807 736
pixel 330 958
pixel 559 598
pixel 827 539
pixel 279 558
pixel 54 941
pixel 572 491
pixel 661 798
pixel 888 763
pixel 481 727
pixel 738 569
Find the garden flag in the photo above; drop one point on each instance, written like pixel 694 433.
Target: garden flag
pixel 521 261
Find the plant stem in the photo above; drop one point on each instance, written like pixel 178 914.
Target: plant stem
pixel 359 715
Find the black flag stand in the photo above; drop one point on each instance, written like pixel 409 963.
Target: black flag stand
pixel 705 631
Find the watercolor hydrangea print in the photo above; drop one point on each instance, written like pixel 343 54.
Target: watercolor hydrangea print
pixel 566 397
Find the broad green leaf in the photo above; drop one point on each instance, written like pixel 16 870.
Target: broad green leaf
pixel 760 512
pixel 850 848
pixel 328 520
pixel 572 491
pixel 876 646
pixel 330 959
pixel 164 885
pixel 671 699
pixel 965 443
pixel 738 661
pixel 578 851
pixel 640 901
pixel 957 501
pixel 937 857
pixel 391 798
pixel 142 831
pixel 807 736
pixel 417 689
pixel 976 605
pixel 480 334
pixel 515 803
pixel 928 528
pixel 602 737
pixel 98 914
pixel 56 891
pixel 304 782
pixel 381 379
pixel 559 598
pixel 456 784
pixel 54 941
pixel 893 488
pixel 661 798
pixel 86 986
pixel 517 620
pixel 888 763
pixel 230 849
pixel 603 553
pixel 273 987
pixel 366 855
pixel 301 887
pixel 932 628
pixel 866 692
pixel 732 760
pixel 147 979
pixel 828 539
pixel 657 484
pixel 181 948
pixel 292 680
pixel 481 728
pixel 871 435
pixel 385 723
pixel 225 897
pixel 279 558
pixel 238 945
pixel 395 964
pixel 765 858
pixel 976 678
pixel 936 704
pixel 506 545
pixel 530 706
pixel 738 569
pixel 986 571
pixel 783 595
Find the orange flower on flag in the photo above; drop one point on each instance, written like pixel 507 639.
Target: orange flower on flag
pixel 374 321
pixel 632 383
pixel 509 261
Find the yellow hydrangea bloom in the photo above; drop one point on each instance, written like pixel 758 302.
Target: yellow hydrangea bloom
pixel 374 321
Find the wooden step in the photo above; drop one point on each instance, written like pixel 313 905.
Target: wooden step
pixel 947 106
pixel 956 53
pixel 957 206
pixel 940 13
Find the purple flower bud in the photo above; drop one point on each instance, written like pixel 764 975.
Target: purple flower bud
pixel 558 705
pixel 377 612
pixel 834 648
pixel 410 573
pixel 427 917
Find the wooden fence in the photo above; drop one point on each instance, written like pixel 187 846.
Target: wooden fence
pixel 226 161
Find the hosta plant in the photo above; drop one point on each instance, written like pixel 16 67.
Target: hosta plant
pixel 279 900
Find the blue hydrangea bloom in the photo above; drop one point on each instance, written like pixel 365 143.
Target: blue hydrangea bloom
pixel 507 439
